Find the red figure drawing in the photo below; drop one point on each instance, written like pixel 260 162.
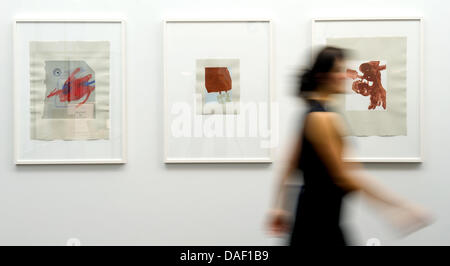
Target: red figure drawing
pixel 371 74
pixel 74 88
pixel 217 79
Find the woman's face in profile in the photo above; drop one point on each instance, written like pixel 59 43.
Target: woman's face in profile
pixel 337 76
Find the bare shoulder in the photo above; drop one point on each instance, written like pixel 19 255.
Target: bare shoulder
pixel 319 123
pixel 320 118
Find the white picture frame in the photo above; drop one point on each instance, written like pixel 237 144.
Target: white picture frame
pixel 169 46
pixel 401 149
pixel 110 150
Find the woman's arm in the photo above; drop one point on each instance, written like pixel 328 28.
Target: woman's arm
pixel 286 174
pixel 323 135
pixel 278 220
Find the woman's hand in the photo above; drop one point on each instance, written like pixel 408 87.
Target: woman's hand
pixel 408 218
pixel 278 222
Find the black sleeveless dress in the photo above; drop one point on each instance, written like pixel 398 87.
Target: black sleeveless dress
pixel 317 218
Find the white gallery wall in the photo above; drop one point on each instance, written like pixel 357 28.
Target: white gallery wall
pixel 146 202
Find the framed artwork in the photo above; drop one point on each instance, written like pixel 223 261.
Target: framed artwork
pixel 218 91
pixel 69 91
pixel 383 101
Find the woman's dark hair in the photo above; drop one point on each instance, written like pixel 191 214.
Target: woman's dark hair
pixel 308 79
